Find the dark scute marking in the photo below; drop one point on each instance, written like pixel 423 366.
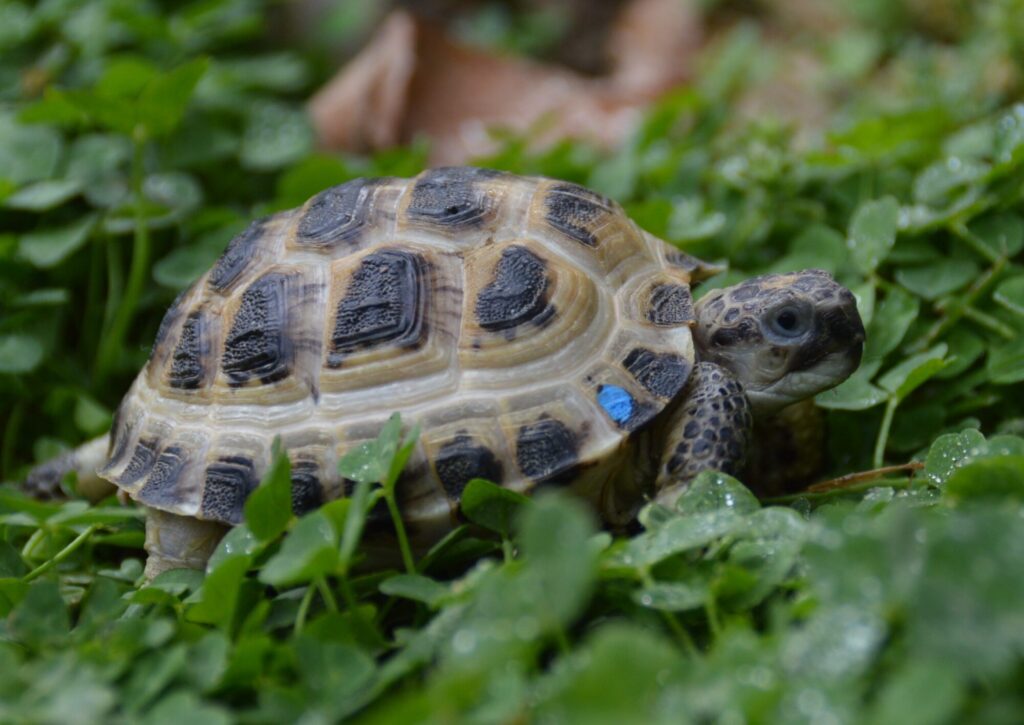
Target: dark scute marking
pixel 662 374
pixel 228 484
pixel 671 304
pixel 258 345
pixel 170 317
pixel 460 460
pixel 307 493
pixel 337 214
pixel 187 370
pixel 731 315
pixel 385 303
pixel 162 482
pixel 450 196
pixel 547 451
pixel 236 257
pixel 142 461
pixel 575 210
pixel 517 292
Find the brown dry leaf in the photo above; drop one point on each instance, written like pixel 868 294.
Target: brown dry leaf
pixel 412 79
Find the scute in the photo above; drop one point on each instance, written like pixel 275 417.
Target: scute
pixel 527 325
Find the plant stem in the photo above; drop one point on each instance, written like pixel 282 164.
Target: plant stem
pixel 883 432
pixel 325 593
pixel 113 341
pixel 403 539
pixel 837 492
pixel 507 549
pixel 300 617
pixel 680 632
pixel 62 554
pixel 989 322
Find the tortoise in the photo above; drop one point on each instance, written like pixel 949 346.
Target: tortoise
pixel 538 336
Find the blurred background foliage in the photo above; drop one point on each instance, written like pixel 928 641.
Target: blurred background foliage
pixel 883 141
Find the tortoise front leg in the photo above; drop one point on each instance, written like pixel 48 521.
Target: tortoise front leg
pixel 179 542
pixel 709 431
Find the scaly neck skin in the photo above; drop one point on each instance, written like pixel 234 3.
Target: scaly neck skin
pixel 784 337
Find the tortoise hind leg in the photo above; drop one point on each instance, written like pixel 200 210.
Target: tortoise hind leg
pixel 179 542
pixel 44 481
pixel 710 431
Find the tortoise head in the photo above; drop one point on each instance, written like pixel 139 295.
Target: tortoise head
pixel 785 337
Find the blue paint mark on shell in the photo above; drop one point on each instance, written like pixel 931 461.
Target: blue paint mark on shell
pixel 617 402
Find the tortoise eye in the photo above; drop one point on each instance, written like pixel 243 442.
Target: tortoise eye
pixel 789 321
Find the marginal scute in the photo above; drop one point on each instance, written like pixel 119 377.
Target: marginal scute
pixel 187 370
pixel 228 484
pixel 337 215
pixel 662 374
pixel 141 463
pixel 161 485
pixel 516 293
pixel 385 303
pixel 239 253
pixel 547 451
pixel 258 346
pixel 460 460
pixel 451 197
pixel 576 211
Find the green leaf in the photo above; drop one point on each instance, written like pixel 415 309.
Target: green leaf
pixel 275 135
pixel 48 248
pixel 873 233
pixel 19 353
pixel 41 616
pixel 91 417
pixel 165 98
pixel 622 673
pixel 932 281
pixel 675 596
pixel 906 377
pixel 97 156
pixel 919 693
pixel 370 462
pixel 269 508
pixel 680 535
pixel 948 453
pixel 27 153
pixel 309 551
pixel 416 587
pixel 185 707
pixel 491 506
pixel 713 491
pixel 43 195
pixel 888 327
pixel 335 673
pixel 1010 294
pixel 1005 363
pixel 554 534
pixel 999 478
pixel 1003 234
pixel 855 393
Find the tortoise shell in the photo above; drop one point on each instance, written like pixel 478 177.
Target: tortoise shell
pixel 527 324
